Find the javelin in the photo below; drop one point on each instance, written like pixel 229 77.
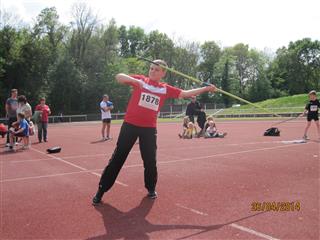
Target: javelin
pixel 200 82
pixel 287 120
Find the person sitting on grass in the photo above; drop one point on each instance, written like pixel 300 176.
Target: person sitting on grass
pixel 186 120
pixel 212 132
pixel 312 109
pixel 22 131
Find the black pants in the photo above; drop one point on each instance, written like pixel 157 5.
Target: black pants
pixel 148 148
pixel 10 121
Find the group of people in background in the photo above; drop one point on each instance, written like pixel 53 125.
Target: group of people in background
pixel 208 128
pixel 19 120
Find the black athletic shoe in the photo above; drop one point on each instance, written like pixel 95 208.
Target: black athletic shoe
pixel 152 194
pixel 97 198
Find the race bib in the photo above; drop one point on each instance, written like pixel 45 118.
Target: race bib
pixel 150 101
pixel 313 108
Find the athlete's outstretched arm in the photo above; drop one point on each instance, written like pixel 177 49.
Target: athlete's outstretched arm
pixel 196 91
pixel 126 79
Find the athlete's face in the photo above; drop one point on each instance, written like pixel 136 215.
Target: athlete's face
pixel 312 97
pixel 156 73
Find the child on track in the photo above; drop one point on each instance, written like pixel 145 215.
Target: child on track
pixel 312 111
pixel 206 125
pixel 148 95
pixel 190 132
pixel 212 132
pixel 186 120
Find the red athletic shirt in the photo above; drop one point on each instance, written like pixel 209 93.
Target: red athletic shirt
pixel 45 112
pixel 145 102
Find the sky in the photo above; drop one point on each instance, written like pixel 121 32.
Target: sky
pixel 263 24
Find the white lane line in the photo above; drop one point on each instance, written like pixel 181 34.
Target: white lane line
pixel 219 144
pixel 63 157
pixel 135 151
pixel 166 162
pixel 192 210
pixel 227 154
pixel 74 165
pixel 59 159
pixel 118 182
pixel 44 176
pixel 233 225
pixel 253 232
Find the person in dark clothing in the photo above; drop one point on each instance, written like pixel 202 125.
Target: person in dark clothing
pixel 193 108
pixel 201 120
pixel 312 111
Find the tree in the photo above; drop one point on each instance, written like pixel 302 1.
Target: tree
pixel 159 46
pixel 210 53
pixel 124 41
pixel 49 28
pixel 225 84
pixel 66 92
pixel 136 39
pixel 82 29
pixel 296 69
pixel 241 53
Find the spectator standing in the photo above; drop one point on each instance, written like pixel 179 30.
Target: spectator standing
pixel 43 120
pixel 193 108
pixel 105 107
pixel 11 111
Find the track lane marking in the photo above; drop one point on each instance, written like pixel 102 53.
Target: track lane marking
pixel 227 154
pixel 44 176
pixel 233 225
pixel 163 162
pixel 74 165
pixel 137 151
pixel 192 210
pixel 253 232
pixel 62 157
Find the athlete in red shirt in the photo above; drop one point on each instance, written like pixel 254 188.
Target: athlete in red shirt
pixel 148 95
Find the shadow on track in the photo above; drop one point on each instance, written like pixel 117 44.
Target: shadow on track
pixel 133 224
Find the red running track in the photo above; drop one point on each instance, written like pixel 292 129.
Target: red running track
pixel 206 187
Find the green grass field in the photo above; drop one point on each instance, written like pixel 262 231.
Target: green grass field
pixel 291 104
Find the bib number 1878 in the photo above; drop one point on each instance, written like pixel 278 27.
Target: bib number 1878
pixel 150 101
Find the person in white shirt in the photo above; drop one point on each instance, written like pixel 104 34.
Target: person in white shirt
pixel 105 107
pixel 24 107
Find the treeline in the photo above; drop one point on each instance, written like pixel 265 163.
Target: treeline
pixel 73 65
